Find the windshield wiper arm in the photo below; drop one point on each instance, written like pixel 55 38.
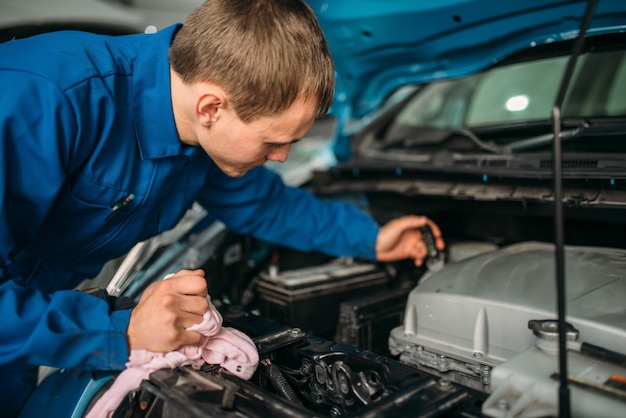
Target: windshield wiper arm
pixel 437 136
pixel 517 146
pixel 539 141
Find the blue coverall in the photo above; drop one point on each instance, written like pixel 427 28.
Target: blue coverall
pixel 85 121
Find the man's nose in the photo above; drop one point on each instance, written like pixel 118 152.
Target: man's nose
pixel 279 154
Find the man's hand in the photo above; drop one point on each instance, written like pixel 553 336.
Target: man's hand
pixel 166 309
pixel 401 238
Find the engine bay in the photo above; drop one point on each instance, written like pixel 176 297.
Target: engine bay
pixel 471 336
pixel 301 375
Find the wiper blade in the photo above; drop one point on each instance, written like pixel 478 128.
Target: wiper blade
pixel 438 136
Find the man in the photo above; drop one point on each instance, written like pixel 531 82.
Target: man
pixel 105 143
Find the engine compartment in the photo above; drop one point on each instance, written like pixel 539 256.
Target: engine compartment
pixel 344 337
pixel 301 375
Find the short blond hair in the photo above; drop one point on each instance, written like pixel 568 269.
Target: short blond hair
pixel 264 53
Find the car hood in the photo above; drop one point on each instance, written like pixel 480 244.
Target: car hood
pixel 380 45
pixel 96 15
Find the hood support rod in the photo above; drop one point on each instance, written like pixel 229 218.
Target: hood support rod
pixel 564 393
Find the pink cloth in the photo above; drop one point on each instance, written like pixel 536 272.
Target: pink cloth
pixel 228 347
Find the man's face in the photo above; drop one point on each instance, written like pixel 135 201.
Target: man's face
pixel 237 147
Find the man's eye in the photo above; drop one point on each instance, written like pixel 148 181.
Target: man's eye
pixel 276 146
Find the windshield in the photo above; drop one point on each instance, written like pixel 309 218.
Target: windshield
pixel 519 93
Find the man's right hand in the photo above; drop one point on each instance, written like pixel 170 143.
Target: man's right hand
pixel 166 309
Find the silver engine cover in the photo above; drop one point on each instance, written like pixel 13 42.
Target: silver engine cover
pixel 473 315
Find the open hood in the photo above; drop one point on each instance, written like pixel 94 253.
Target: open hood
pixel 380 45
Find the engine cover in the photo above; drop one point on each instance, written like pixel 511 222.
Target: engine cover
pixel 473 315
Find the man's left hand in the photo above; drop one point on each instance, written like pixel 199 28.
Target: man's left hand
pixel 401 238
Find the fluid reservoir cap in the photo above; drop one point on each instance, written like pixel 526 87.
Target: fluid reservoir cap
pixel 548 329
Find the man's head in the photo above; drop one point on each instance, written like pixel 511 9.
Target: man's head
pixel 264 54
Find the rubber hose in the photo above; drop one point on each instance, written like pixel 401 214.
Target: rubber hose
pixel 280 383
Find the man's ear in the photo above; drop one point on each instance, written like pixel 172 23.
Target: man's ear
pixel 209 106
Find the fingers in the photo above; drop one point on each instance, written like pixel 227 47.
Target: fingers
pixel 166 309
pixel 190 338
pixel 413 221
pixel 198 272
pixel 408 245
pixel 401 238
pixel 437 235
pixel 188 282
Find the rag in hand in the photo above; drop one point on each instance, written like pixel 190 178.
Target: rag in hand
pixel 228 347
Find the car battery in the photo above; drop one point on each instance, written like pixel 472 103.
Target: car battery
pixel 309 298
pixel 367 321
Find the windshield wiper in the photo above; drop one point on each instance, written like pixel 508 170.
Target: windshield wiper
pixel 539 141
pixel 436 136
pixel 439 136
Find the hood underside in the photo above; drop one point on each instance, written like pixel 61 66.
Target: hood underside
pixel 379 46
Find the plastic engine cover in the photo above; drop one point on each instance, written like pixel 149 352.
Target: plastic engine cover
pixel 473 315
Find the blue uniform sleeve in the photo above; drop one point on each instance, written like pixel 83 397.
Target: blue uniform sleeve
pixel 260 204
pixel 65 328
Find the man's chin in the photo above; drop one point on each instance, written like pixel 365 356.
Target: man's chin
pixel 234 173
pixel 238 174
